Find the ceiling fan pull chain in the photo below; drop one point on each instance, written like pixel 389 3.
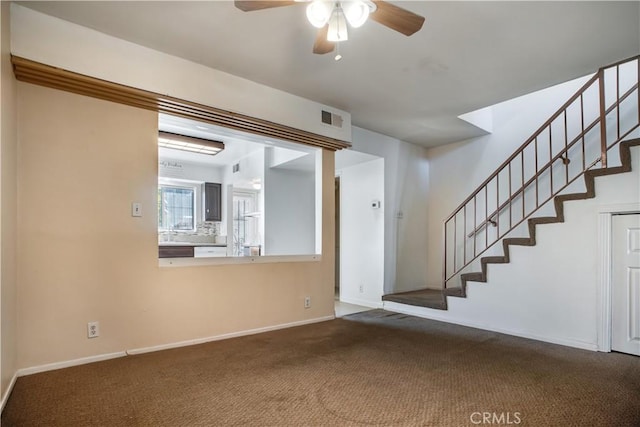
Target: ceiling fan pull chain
pixel 338 57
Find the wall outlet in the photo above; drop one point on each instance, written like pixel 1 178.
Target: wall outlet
pixel 361 288
pixel 93 329
pixel 307 302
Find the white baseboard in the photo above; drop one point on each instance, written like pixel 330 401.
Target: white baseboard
pixel 8 391
pixel 434 314
pixel 101 357
pixel 227 336
pixel 362 302
pixel 69 363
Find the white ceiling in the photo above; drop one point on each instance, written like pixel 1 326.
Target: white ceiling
pixel 467 56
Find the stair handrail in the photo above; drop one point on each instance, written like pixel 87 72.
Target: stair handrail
pixel 563 154
pixel 525 145
pixel 598 77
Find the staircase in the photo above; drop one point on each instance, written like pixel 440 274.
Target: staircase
pixel 589 136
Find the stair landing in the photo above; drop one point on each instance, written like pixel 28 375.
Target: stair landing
pixel 431 298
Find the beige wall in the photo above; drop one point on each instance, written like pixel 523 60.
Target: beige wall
pixel 8 210
pixel 82 257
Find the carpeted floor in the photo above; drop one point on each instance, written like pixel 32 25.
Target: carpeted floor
pixel 367 369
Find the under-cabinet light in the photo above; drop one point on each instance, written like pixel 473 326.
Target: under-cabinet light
pixel 189 143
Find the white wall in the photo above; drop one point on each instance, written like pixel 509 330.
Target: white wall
pixel 455 170
pixel 549 291
pixel 405 189
pixel 190 171
pixel 45 39
pixel 362 233
pixel 412 234
pixel 289 214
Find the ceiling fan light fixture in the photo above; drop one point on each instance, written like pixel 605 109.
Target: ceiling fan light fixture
pixel 319 12
pixel 356 12
pixel 337 31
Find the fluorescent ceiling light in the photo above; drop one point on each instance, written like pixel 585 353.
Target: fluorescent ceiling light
pixel 189 143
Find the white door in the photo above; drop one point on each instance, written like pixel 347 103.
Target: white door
pixel 625 292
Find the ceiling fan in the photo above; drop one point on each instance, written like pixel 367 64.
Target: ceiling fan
pixel 331 18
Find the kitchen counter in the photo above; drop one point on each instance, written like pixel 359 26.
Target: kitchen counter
pixel 190 250
pixel 217 245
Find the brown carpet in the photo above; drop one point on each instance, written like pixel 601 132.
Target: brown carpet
pixel 375 368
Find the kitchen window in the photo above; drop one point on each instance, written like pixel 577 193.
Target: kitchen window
pixel 254 199
pixel 176 208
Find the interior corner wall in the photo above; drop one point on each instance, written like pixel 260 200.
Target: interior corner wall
pixel 411 219
pixel 8 210
pixel 289 227
pixel 456 170
pixel 82 257
pixel 362 233
pixel 405 244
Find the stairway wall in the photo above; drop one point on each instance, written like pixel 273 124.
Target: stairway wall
pixel 550 291
pixel 456 170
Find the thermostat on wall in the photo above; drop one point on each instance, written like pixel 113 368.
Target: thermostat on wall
pixel 375 204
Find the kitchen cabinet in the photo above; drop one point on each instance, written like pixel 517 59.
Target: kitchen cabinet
pixel 175 251
pixel 212 201
pixel 209 251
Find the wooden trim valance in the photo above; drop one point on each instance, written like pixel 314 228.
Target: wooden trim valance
pixel 45 75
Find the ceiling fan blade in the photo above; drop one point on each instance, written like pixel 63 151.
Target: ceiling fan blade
pixel 249 6
pixel 397 18
pixel 322 45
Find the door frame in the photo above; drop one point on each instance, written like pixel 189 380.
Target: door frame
pixel 605 279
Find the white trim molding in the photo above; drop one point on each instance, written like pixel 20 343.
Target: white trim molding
pixel 7 393
pixel 69 363
pixel 362 302
pixel 107 356
pixel 227 336
pixel 434 314
pixel 605 283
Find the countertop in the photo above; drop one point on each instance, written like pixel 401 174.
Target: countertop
pixel 217 245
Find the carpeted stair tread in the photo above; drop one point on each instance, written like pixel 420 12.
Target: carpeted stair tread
pixel 431 298
pixel 472 277
pixel 459 292
pixel 494 260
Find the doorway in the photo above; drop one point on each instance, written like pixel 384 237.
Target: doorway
pixel 625 289
pixel 359 240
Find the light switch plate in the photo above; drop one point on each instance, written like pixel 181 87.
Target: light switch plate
pixel 136 209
